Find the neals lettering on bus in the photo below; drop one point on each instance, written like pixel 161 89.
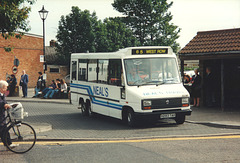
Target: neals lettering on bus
pixel 103 91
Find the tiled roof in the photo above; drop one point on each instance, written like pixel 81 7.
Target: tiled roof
pixel 214 41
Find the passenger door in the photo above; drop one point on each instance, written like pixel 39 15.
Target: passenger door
pixel 115 85
pixel 73 80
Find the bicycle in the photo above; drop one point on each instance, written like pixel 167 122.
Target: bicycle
pixel 20 137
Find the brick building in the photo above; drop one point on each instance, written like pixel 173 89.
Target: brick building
pixel 219 50
pixel 27 50
pixel 54 71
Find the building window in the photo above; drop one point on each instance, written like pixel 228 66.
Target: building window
pixel 54 70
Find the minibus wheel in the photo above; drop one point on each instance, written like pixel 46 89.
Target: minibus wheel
pixel 83 108
pixel 89 110
pixel 180 119
pixel 131 118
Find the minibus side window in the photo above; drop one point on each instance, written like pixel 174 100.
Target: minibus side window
pixel 92 70
pixel 82 69
pixel 115 71
pixel 74 70
pixel 103 71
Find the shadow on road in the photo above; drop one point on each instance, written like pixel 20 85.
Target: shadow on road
pixel 73 121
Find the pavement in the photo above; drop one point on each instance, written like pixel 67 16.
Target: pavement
pixel 214 117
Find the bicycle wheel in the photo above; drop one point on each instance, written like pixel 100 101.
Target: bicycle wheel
pixel 22 137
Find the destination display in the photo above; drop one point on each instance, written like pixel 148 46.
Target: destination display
pixel 149 51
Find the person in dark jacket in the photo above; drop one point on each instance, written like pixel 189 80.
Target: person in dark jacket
pixel 3 106
pixel 56 90
pixel 40 84
pixel 196 88
pixel 49 90
pixel 209 85
pixel 12 85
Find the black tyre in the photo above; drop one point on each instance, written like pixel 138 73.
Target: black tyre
pixel 180 119
pixel 131 118
pixel 89 110
pixel 83 108
pixel 22 137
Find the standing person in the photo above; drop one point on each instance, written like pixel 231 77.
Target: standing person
pixel 3 106
pixel 196 88
pixel 8 81
pixel 40 84
pixel 12 85
pixel 210 87
pixel 63 88
pixel 24 83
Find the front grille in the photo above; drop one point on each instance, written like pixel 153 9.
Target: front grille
pixel 166 103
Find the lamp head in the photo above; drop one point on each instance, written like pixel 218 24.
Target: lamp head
pixel 43 13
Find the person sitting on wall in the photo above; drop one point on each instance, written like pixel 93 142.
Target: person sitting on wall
pixel 40 85
pixel 56 90
pixel 63 89
pixel 48 90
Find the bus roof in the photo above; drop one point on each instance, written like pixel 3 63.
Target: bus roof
pixel 130 52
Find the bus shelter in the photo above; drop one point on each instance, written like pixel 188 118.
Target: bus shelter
pixel 219 50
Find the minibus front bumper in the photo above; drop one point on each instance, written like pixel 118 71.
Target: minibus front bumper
pixel 159 114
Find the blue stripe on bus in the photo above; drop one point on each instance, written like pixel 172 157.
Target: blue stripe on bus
pixel 95 101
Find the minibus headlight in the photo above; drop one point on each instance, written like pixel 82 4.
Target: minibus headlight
pixel 185 100
pixel 147 103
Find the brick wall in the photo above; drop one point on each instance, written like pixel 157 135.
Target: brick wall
pixel 28 50
pixel 63 72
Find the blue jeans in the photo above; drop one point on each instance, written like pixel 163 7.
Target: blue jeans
pixel 53 92
pixel 49 91
pixel 36 90
pixel 45 90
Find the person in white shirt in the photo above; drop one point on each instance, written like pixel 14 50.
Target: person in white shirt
pixel 63 88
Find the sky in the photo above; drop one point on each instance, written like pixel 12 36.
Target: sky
pixel 191 16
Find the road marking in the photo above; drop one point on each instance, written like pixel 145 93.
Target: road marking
pixel 135 140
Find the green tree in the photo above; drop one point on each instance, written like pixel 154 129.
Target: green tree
pixel 149 21
pixel 13 17
pixel 81 31
pixel 112 35
pixel 76 33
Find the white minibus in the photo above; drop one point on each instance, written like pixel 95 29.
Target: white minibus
pixel 132 84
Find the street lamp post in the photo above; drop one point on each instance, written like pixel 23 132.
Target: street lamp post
pixel 43 15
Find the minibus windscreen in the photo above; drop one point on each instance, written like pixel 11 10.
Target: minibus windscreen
pixel 151 71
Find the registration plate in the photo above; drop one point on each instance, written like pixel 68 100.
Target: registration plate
pixel 172 115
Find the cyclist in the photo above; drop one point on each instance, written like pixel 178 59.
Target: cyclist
pixel 3 106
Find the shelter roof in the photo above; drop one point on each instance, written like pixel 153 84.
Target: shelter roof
pixel 213 42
